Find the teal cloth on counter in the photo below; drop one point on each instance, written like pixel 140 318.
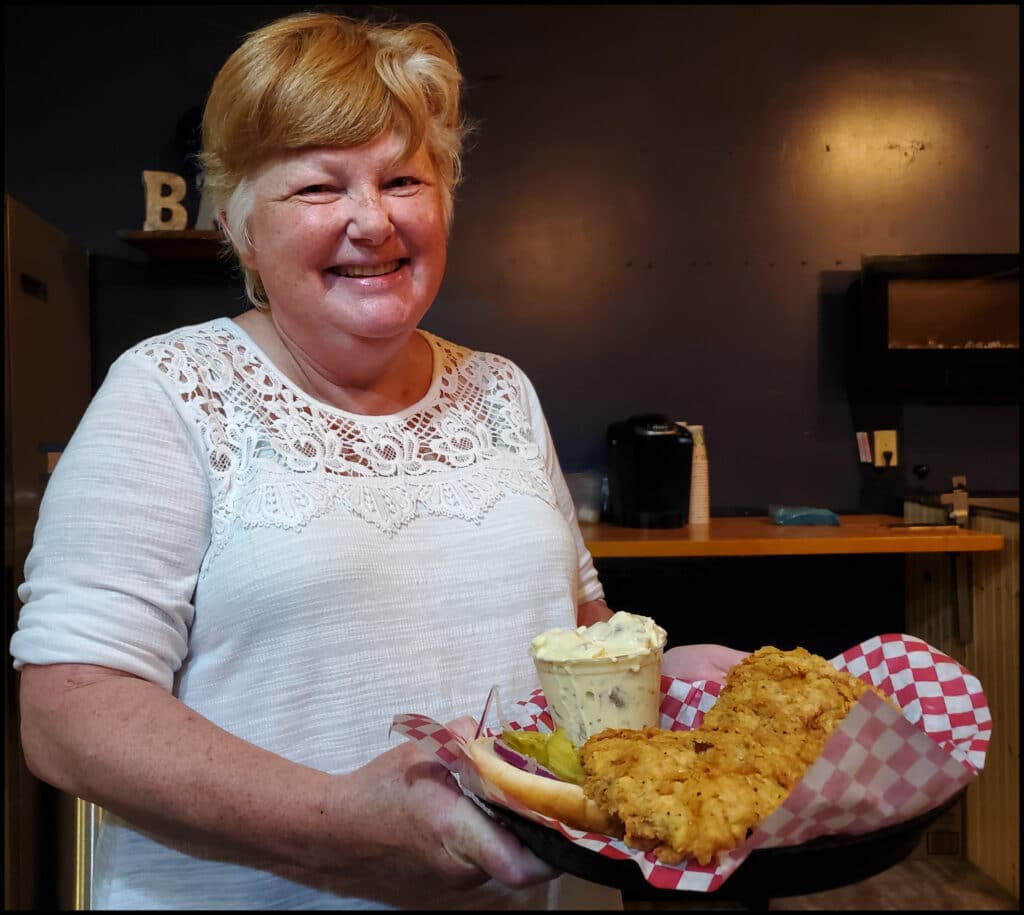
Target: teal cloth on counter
pixel 785 514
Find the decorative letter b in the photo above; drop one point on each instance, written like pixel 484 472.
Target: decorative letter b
pixel 158 203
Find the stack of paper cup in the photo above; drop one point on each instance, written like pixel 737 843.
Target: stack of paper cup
pixel 700 505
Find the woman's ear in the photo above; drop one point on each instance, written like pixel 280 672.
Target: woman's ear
pixel 243 253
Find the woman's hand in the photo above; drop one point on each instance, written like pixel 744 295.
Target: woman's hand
pixel 700 662
pixel 417 827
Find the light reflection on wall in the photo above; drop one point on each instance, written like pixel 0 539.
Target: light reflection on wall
pixel 881 142
pixel 871 161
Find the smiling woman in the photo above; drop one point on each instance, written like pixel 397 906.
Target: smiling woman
pixel 333 516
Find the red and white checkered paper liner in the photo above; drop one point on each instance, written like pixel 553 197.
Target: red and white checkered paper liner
pixel 877 769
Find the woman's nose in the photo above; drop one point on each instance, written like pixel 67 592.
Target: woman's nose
pixel 369 219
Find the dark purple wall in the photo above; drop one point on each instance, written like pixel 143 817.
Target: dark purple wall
pixel 664 205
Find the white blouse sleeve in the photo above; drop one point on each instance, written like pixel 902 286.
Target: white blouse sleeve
pixel 588 585
pixel 123 527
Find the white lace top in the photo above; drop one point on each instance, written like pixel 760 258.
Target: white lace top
pixel 296 573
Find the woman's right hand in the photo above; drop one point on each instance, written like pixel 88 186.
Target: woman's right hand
pixel 411 818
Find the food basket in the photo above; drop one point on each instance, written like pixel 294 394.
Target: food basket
pixel 881 778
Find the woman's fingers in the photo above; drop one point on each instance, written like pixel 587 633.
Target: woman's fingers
pixel 475 838
pixel 700 662
pixel 464 727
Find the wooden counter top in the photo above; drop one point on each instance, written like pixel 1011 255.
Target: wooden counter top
pixel 760 536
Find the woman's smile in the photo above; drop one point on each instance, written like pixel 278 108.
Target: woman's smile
pixel 366 271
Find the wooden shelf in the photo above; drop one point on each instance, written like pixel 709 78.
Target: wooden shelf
pixel 763 537
pixel 182 244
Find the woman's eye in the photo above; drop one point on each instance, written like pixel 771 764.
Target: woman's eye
pixel 404 181
pixel 316 189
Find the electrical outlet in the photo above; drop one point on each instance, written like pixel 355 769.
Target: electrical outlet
pixel 885 448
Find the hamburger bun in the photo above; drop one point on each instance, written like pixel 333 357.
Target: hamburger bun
pixel 550 797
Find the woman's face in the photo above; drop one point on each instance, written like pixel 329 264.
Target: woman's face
pixel 347 244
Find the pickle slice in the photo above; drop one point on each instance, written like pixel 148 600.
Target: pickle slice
pixel 553 751
pixel 532 743
pixel 563 759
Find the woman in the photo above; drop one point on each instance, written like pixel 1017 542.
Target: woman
pixel 271 534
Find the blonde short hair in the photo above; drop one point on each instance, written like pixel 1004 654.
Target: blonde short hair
pixel 320 79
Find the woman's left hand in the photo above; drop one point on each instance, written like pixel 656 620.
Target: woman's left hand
pixel 700 662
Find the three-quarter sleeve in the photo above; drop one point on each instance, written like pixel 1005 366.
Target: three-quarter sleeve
pixel 588 584
pixel 123 527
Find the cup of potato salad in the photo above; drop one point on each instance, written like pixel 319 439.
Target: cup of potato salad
pixel 607 675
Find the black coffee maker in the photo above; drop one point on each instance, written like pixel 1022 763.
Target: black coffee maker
pixel 649 463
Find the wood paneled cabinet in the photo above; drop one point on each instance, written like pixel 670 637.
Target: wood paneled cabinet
pixel 988 645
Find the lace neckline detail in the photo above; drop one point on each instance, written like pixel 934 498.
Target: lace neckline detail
pixel 279 458
pixel 244 337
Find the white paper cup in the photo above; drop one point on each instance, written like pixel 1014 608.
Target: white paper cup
pixel 587 695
